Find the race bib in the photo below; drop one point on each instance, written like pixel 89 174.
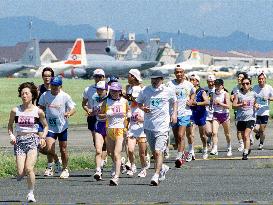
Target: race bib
pixel 156 103
pixel 53 122
pixel 25 121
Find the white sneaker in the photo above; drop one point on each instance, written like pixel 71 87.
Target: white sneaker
pixel 142 173
pixel 113 171
pixel 123 167
pixel 48 172
pixel 30 197
pixel 205 154
pixel 163 171
pixel 229 152
pixel 148 161
pixel 114 181
pixel 57 167
pixel 64 174
pixel 190 157
pixel 98 175
pixel 166 153
pixel 214 151
pixel 154 180
pixel 132 170
pixel 241 147
pixel 261 146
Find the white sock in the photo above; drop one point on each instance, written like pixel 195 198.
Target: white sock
pixel 229 146
pixel 190 148
pixel 30 191
pixel 241 141
pixel 156 175
pixel 246 151
pixel 98 169
pixel 215 147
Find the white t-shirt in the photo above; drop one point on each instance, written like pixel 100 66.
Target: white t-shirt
pixel 262 96
pixel 158 100
pixel 221 97
pixel 183 92
pixel 88 94
pixel 56 106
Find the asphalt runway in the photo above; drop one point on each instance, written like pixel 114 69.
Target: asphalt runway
pixel 217 180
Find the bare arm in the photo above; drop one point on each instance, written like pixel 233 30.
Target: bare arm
pixel 44 122
pixel 85 107
pixel 70 112
pixel 235 103
pixel 10 125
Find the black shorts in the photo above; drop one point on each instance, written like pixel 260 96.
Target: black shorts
pixel 242 125
pixel 91 121
pixel 262 120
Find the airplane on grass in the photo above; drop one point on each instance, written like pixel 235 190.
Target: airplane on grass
pixel 194 62
pixel 111 66
pixel 30 59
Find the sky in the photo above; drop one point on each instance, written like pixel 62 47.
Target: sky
pixel 195 17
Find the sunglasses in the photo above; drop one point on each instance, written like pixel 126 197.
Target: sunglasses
pixel 245 83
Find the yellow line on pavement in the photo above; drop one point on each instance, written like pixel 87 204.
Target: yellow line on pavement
pixel 237 158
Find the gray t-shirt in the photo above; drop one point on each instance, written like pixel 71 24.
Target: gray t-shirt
pixel 263 94
pixel 246 112
pixel 88 94
pixel 158 100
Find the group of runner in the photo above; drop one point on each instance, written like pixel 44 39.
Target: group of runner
pixel 119 119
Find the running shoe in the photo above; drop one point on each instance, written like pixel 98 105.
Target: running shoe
pixel 148 161
pixel 98 175
pixel 241 147
pixel 257 136
pixel 49 172
pixel 229 152
pixel 57 167
pixel 251 141
pixel 190 157
pixel 245 156
pixel 261 146
pixel 30 197
pixel 214 151
pixel 142 173
pixel 132 171
pixel 128 165
pixel 64 174
pixel 123 167
pixel 163 171
pixel 205 154
pixel 114 181
pixel 154 180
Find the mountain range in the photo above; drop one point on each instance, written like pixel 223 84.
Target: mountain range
pixel 17 29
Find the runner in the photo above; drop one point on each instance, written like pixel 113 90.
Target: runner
pixel 58 107
pixel 116 110
pixel 47 74
pixel 27 141
pixel 221 106
pixel 245 103
pixel 136 131
pixel 185 94
pixel 100 127
pixel 199 114
pixel 210 90
pixel 264 94
pixel 234 92
pixel 156 100
pixel 88 93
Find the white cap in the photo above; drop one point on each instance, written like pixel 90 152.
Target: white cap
pixel 98 72
pixel 211 77
pixel 135 91
pixel 262 73
pixel 102 85
pixel 136 74
pixel 194 76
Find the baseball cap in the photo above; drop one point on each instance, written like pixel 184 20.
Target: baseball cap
pixel 179 66
pixel 112 78
pixel 56 81
pixel 157 74
pixel 98 72
pixel 211 78
pixel 116 86
pixel 102 85
pixel 219 82
pixel 136 74
pixel 195 76
pixel 135 91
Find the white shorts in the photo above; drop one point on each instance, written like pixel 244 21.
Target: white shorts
pixel 157 140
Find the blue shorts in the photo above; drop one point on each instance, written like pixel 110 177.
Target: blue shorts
pixel 183 121
pixel 262 120
pixel 61 136
pixel 199 120
pixel 101 128
pixel 91 121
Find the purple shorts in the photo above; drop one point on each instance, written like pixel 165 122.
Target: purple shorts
pixel 100 128
pixel 221 117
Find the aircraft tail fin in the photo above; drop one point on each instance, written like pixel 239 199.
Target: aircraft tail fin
pixel 77 55
pixel 194 57
pixel 32 54
pixel 150 52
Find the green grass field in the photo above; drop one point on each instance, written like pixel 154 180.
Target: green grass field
pixel 74 87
